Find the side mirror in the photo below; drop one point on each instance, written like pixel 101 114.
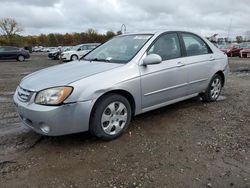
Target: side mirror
pixel 152 59
pixel 79 49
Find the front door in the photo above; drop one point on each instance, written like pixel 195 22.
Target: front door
pixel 165 81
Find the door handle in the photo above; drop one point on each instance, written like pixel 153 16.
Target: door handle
pixel 180 64
pixel 211 58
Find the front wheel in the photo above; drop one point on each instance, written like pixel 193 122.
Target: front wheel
pixel 110 117
pixel 74 58
pixel 20 58
pixel 214 89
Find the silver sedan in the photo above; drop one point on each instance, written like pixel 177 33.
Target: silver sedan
pixel 126 76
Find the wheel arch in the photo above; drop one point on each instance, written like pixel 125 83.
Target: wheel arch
pixel 73 55
pixel 221 74
pixel 121 92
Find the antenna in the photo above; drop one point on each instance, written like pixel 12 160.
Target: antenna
pixel 229 28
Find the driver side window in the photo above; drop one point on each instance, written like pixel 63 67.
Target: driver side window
pixel 167 46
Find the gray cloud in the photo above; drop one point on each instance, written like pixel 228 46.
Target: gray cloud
pixel 205 17
pixel 43 3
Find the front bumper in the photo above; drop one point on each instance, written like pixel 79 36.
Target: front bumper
pixel 54 120
pixel 66 57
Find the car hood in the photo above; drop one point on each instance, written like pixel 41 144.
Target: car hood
pixel 245 50
pixel 54 51
pixel 69 52
pixel 61 75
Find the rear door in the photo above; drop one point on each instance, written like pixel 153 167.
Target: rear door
pixel 11 52
pixel 165 81
pixel 199 61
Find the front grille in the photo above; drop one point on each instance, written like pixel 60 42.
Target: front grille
pixel 24 95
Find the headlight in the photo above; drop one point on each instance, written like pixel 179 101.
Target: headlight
pixel 53 96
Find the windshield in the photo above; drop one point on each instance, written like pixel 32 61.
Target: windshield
pixel 67 48
pixel 225 46
pixel 120 49
pixel 75 48
pixel 245 45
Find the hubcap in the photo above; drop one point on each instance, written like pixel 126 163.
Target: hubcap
pixel 74 58
pixel 114 118
pixel 21 58
pixel 215 88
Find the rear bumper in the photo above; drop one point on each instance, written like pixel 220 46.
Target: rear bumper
pixel 55 120
pixel 226 72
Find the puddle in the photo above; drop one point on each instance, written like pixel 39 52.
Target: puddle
pixel 25 73
pixel 7 93
pixel 244 71
pixel 5 99
pixel 221 98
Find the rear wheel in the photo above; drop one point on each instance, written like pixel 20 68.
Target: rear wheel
pixel 214 89
pixel 110 117
pixel 21 58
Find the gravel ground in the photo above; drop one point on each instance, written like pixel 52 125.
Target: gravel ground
pixel 188 144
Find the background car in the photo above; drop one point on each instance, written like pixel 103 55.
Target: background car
pixel 55 55
pixel 78 51
pixel 9 52
pixel 245 50
pixel 231 50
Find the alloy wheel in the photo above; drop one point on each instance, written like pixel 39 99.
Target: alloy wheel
pixel 114 118
pixel 215 88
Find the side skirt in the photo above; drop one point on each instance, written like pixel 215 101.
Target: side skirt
pixel 167 103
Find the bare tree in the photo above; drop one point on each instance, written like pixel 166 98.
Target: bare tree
pixel 9 27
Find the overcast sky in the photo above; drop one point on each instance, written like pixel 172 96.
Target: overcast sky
pixel 205 17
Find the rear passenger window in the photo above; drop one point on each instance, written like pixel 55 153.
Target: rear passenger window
pixel 195 45
pixel 167 46
pixel 10 49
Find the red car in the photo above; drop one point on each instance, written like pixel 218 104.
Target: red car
pixel 245 52
pixel 231 50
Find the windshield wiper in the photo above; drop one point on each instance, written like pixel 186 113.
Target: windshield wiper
pixel 97 59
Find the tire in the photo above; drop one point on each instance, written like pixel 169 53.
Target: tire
pixel 108 125
pixel 74 58
pixel 213 90
pixel 20 58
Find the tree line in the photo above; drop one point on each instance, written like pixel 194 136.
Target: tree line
pixel 10 36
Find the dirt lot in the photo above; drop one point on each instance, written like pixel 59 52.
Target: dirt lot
pixel 189 144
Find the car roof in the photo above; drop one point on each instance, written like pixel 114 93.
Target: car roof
pixel 155 32
pixel 9 47
pixel 89 44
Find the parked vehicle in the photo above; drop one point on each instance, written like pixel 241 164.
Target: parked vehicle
pixel 56 53
pixel 245 50
pixel 78 51
pixel 126 76
pixel 9 52
pixel 37 49
pixel 231 50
